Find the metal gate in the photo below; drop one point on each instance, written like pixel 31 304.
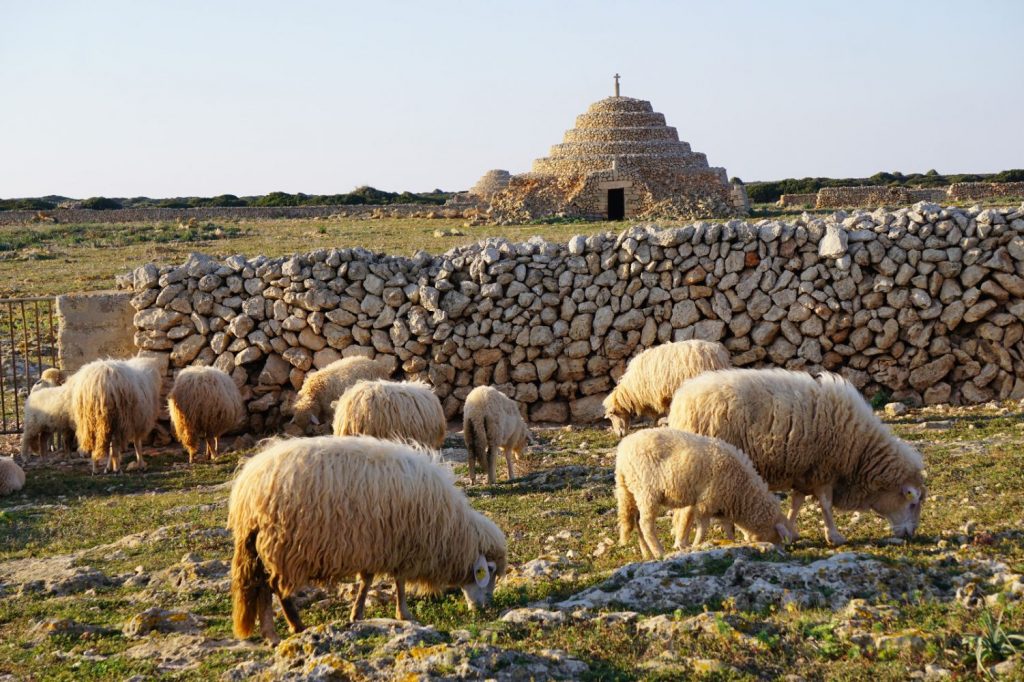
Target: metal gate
pixel 28 345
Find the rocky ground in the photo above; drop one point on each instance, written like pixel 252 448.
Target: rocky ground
pixel 127 578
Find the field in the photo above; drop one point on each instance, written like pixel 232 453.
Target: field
pixel 85 559
pixel 114 578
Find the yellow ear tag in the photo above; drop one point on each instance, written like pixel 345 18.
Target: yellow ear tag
pixel 910 495
pixel 480 573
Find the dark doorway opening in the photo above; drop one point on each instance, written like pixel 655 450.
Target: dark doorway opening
pixel 616 204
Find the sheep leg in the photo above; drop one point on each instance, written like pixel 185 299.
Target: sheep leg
pixel 702 530
pixel 401 608
pixel 682 525
pixel 794 506
pixel 492 465
pixel 359 606
pixel 291 614
pixel 824 495
pixel 508 461
pixel 728 528
pixel 472 468
pixel 649 531
pixel 138 454
pixel 267 628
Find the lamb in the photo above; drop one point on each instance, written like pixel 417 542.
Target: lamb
pixel 204 404
pixel 114 402
pixel 47 413
pixel 321 388
pixel 663 466
pixel 398 410
pixel 12 476
pixel 816 437
pixel 491 422
pixel 654 375
pixel 327 508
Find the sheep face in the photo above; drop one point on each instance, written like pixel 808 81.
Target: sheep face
pixel 479 588
pixel 620 423
pixel 782 533
pixel 902 507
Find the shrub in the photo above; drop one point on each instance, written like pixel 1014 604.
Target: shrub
pixel 101 204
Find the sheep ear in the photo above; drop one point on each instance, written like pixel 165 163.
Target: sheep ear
pixel 785 533
pixel 481 574
pixel 316 420
pixel 911 493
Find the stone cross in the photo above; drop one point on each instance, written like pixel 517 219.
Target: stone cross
pixel 617 84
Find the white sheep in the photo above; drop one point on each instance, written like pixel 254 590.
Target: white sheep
pixel 665 467
pixel 322 388
pixel 113 403
pixel 47 414
pixel 397 410
pixel 815 436
pixel 491 422
pixel 653 376
pixel 204 403
pixel 12 476
pixel 328 508
pixel 50 377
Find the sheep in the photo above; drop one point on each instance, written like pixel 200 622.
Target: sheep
pixel 663 466
pixel 398 410
pixel 204 404
pixel 320 389
pixel 50 377
pixel 47 413
pixel 815 437
pixel 327 508
pixel 654 375
pixel 12 476
pixel 491 422
pixel 114 402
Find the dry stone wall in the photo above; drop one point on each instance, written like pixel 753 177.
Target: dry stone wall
pixel 923 303
pixel 876 195
pixel 130 215
pixel 970 191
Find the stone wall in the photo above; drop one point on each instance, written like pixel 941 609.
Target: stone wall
pixel 798 200
pixel 128 215
pixel 876 195
pixel 923 303
pixel 970 191
pixel 94 325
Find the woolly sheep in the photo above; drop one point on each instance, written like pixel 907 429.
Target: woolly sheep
pixel 114 402
pixel 653 376
pixel 397 410
pixel 663 466
pixel 816 437
pixel 12 476
pixel 47 413
pixel 313 404
pixel 328 508
pixel 491 422
pixel 204 404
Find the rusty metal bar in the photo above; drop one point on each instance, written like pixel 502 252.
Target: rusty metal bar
pixel 20 370
pixel 14 364
pixel 39 341
pixel 25 300
pixel 53 335
pixel 3 388
pixel 24 359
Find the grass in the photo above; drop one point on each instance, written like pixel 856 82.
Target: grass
pixel 975 478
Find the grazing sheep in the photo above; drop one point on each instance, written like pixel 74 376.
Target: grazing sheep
pixel 114 402
pixel 12 476
pixel 653 376
pixel 816 437
pixel 491 422
pixel 320 389
pixel 47 414
pixel 663 466
pixel 50 377
pixel 204 404
pixel 325 509
pixel 397 410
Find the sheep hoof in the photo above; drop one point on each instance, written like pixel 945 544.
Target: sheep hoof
pixel 836 538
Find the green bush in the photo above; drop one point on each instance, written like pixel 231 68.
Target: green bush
pixel 101 204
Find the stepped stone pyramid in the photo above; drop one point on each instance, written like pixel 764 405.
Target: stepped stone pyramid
pixel 620 161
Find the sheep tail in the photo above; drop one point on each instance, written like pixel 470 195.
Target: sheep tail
pixel 250 589
pixel 629 514
pixel 476 442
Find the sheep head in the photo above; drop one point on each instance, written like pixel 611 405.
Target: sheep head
pixel 618 416
pixel 901 505
pixel 479 587
pixel 781 533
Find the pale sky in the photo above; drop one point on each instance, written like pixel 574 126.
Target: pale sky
pixel 201 98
